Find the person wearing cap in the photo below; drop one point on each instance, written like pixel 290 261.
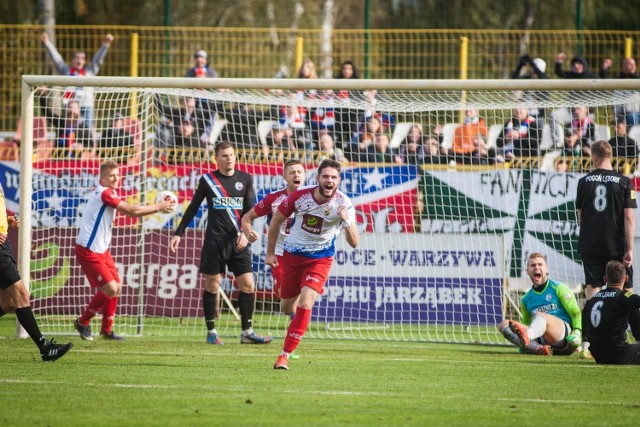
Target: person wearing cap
pixel 537 68
pixel 201 66
pixel 560 117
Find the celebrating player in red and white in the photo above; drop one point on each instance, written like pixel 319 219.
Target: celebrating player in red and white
pixel 294 175
pixel 320 213
pixel 92 248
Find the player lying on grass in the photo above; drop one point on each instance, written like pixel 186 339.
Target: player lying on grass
pixel 551 318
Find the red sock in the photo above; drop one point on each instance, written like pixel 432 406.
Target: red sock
pixel 296 330
pixel 108 313
pixel 94 307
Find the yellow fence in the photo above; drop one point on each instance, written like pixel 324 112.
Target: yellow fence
pixel 242 52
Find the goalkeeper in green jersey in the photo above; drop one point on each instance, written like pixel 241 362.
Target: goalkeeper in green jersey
pixel 551 318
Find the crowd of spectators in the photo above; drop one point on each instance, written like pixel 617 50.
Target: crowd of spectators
pixel 337 129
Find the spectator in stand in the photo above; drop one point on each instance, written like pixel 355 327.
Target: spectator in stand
pixel 469 146
pixel 72 134
pixel 280 138
pixel 579 70
pixel 307 70
pixel 380 151
pixel 573 145
pixel 116 140
pixel 412 150
pixel 434 153
pixel 346 117
pixel 201 66
pixel 348 70
pixel 537 67
pixel 174 120
pixel 621 144
pixel 79 67
pixel 583 125
pixel 364 138
pixel 323 119
pixel 631 111
pixel 520 136
pixel 328 150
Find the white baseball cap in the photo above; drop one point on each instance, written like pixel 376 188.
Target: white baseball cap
pixel 539 63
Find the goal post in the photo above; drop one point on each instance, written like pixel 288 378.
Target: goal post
pixel 445 232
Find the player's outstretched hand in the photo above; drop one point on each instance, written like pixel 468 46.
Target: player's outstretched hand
pixel 166 205
pixel 3 238
pixel 174 243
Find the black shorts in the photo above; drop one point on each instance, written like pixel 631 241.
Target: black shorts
pixel 218 254
pixel 562 347
pixel 595 269
pixel 8 268
pixel 631 356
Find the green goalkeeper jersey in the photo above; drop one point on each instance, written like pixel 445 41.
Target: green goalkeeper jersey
pixel 556 299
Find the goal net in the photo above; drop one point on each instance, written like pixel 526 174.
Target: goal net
pixel 454 183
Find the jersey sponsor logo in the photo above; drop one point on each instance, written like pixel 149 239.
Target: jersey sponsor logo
pixel 227 202
pixel 546 308
pixel 312 224
pixel 239 186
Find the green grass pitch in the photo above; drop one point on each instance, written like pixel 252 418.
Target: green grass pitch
pixel 159 381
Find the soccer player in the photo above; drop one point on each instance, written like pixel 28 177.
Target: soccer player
pixel 551 312
pixel 606 317
pixel 605 202
pixel 92 248
pixel 14 295
pixel 321 212
pixel 294 174
pixel 229 194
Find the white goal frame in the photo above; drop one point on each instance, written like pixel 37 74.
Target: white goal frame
pixel 29 82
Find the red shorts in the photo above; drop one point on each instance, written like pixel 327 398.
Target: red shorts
pixel 276 273
pixel 100 269
pixel 299 271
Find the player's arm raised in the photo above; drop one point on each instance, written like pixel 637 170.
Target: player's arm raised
pixel 164 206
pixel 272 237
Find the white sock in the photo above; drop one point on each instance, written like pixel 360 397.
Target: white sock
pixel 247 332
pixel 537 327
pixel 213 331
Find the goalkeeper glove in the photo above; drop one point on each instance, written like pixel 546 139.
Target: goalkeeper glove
pixel 575 338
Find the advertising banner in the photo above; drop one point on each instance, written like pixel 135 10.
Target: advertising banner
pixel 416 279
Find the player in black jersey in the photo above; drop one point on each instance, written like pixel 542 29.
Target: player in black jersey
pixel 14 295
pixel 605 320
pixel 605 202
pixel 229 194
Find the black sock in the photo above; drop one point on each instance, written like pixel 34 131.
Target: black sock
pixel 209 305
pixel 246 304
pixel 634 323
pixel 28 322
